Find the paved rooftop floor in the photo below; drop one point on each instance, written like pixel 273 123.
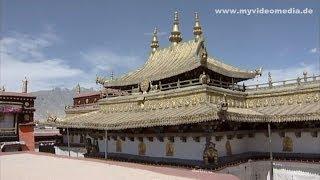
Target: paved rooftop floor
pixel 41 166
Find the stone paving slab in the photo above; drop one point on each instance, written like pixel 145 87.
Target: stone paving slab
pixel 42 166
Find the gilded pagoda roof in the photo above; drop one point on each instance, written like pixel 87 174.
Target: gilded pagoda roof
pixel 175 60
pixel 200 104
pixel 187 115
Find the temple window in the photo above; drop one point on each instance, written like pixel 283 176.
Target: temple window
pixel 171 139
pixel 183 139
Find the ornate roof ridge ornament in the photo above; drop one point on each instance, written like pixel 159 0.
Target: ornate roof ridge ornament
pixel 175 36
pixel 145 86
pixel 197 30
pixel 3 89
pixel 101 80
pixel 154 43
pixel 204 78
pixel 305 75
pixel 258 71
pixel 224 103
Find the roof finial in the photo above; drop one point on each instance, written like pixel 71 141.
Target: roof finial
pixel 197 31
pixel 78 89
pixel 112 75
pixel 269 79
pixel 25 85
pixel 305 77
pixel 175 36
pixel 3 89
pixel 154 43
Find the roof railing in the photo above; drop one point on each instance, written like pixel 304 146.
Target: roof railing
pixel 82 106
pixel 179 84
pixel 182 84
pixel 286 83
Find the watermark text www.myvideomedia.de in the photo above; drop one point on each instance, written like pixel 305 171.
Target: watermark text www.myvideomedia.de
pixel 265 11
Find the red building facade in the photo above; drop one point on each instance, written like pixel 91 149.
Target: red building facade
pixel 17 120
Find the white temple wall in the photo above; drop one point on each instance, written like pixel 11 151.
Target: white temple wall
pixel 194 150
pixel 112 146
pixel 237 145
pixel 182 150
pixel 74 152
pixel 258 143
pixel 131 147
pixel 65 139
pixel 259 170
pixel 76 139
pixel 101 145
pixel 155 148
pixel 187 150
pixel 304 144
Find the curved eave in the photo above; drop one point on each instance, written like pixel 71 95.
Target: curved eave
pixel 228 70
pixel 177 116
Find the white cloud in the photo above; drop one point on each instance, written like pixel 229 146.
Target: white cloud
pixel 106 61
pixel 292 72
pixel 314 50
pixel 22 55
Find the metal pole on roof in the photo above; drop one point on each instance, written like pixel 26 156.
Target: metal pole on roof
pixel 68 138
pixel 270 149
pixel 106 145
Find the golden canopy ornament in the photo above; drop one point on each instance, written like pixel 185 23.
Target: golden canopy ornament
pixel 204 78
pixel 145 85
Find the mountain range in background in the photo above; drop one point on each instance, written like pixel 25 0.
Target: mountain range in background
pixel 53 102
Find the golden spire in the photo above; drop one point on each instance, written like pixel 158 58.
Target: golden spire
pixel 154 43
pixel 197 31
pixel 175 36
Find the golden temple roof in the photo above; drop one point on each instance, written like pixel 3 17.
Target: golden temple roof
pixel 200 104
pixel 177 59
pixel 188 115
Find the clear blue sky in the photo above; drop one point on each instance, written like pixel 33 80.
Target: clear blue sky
pixel 61 43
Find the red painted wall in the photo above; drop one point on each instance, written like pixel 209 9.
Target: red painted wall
pixel 26 135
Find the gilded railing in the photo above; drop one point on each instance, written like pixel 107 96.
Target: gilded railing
pixel 286 83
